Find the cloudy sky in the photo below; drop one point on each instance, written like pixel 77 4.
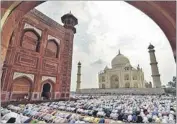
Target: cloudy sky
pixel 104 28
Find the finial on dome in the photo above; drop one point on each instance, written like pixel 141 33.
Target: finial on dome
pixel 70 11
pixel 119 52
pixel 150 46
pixel 79 63
pixel 138 67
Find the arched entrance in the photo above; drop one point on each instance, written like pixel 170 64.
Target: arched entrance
pixel 20 88
pixel 127 85
pixel 114 81
pixel 135 85
pixel 46 91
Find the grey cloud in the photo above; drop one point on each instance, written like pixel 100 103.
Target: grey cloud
pixel 90 39
pixel 98 62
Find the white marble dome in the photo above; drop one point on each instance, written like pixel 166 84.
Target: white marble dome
pixel 119 61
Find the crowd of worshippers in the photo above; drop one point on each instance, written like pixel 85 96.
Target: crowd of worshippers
pixel 102 109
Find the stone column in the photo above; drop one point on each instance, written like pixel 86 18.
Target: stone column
pixel 78 77
pixel 154 67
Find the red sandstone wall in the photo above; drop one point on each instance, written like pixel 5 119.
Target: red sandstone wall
pixel 19 59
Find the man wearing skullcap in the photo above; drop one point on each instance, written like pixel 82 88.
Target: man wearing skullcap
pixel 145 119
pixel 164 121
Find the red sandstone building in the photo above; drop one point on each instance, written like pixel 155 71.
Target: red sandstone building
pixel 39 58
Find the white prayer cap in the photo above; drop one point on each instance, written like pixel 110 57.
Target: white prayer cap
pixel 154 117
pixel 159 114
pixel 145 119
pixel 157 120
pixel 164 121
pixel 172 112
pixel 149 116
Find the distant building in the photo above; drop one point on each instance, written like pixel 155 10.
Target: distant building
pixel 122 78
pixel 39 58
pixel 121 75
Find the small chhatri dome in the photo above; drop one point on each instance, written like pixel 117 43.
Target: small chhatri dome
pixel 119 61
pixel 106 68
pixel 119 52
pixel 150 46
pixel 69 15
pixel 79 63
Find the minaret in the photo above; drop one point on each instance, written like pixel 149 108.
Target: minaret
pixel 69 21
pixel 154 67
pixel 119 52
pixel 78 78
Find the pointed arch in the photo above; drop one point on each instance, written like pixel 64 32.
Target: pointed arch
pixel 50 82
pixel 52 48
pixel 127 85
pixel 30 40
pixel 114 81
pixel 126 77
pixel 47 89
pixel 20 87
pixel 134 77
pixel 135 85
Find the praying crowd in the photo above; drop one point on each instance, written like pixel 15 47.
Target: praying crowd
pixel 100 109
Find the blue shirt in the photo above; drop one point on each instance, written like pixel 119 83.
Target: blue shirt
pixel 134 118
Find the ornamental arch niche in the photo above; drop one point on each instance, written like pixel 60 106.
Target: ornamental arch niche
pixel 21 87
pixel 127 85
pixel 114 81
pixel 30 40
pixel 47 89
pixel 52 49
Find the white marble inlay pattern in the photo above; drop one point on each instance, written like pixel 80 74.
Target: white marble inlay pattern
pixel 51 37
pixel 32 27
pixel 19 74
pixel 48 77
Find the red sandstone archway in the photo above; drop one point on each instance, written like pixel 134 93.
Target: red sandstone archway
pixel 21 86
pixel 51 90
pixel 162 12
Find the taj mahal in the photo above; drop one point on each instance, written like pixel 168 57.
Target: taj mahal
pixel 121 75
pixel 123 78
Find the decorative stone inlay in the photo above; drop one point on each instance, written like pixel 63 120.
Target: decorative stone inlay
pixel 19 74
pixel 32 27
pixel 48 77
pixel 51 37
